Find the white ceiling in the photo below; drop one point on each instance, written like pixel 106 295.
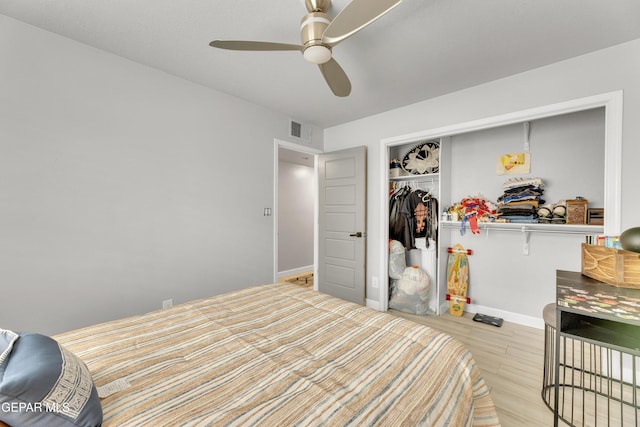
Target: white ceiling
pixel 421 49
pixel 299 158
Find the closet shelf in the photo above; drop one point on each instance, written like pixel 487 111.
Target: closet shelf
pixel 432 176
pixel 533 227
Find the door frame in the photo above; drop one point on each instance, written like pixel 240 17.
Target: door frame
pixel 277 144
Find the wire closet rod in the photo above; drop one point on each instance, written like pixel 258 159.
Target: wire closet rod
pixel 415 177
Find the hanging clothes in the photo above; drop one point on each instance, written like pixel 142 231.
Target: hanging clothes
pixel 399 228
pixel 413 212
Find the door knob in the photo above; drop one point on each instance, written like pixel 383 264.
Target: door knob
pixel 358 234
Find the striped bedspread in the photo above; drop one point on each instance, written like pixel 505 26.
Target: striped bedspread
pixel 281 355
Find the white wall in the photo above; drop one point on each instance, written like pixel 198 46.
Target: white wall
pixel 122 186
pixel 296 192
pixel 566 152
pixel 608 70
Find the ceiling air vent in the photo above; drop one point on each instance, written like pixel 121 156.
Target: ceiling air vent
pixel 295 129
pixel 299 130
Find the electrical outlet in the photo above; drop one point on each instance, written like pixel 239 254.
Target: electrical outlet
pixel 374 282
pixel 167 303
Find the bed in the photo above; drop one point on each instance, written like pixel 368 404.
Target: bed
pixel 280 355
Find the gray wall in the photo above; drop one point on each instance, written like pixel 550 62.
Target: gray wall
pixel 567 153
pixel 122 186
pixel 608 70
pixel 296 192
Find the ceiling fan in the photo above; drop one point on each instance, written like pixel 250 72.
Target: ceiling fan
pixel 320 34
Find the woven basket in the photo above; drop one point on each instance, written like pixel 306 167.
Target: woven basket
pixel 613 266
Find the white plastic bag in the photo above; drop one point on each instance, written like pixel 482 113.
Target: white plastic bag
pixel 424 257
pixel 397 259
pixel 410 293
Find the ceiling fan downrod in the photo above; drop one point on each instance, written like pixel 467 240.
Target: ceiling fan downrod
pixel 317 5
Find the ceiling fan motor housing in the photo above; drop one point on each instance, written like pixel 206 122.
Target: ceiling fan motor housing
pixel 311 31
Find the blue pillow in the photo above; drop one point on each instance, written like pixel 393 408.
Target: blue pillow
pixel 44 384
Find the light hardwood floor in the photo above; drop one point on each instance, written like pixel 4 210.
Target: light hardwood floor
pixel 510 359
pixel 302 279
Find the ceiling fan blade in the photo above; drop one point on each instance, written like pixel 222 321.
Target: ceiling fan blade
pixel 354 17
pixel 253 45
pixel 336 78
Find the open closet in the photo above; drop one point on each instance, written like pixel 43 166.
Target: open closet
pixel 574 146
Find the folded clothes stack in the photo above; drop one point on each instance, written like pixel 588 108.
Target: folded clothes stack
pixel 521 199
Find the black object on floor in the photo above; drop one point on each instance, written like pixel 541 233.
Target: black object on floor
pixel 489 320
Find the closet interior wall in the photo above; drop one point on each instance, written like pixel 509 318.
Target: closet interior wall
pixel 438 185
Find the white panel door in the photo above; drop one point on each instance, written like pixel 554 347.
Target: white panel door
pixel 342 223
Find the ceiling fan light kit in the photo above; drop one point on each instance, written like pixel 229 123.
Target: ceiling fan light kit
pixel 317 54
pixel 319 34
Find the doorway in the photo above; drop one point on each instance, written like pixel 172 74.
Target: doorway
pixel 295 201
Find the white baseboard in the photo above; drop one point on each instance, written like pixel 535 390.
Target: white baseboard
pixel 372 304
pixel 520 319
pixel 295 271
